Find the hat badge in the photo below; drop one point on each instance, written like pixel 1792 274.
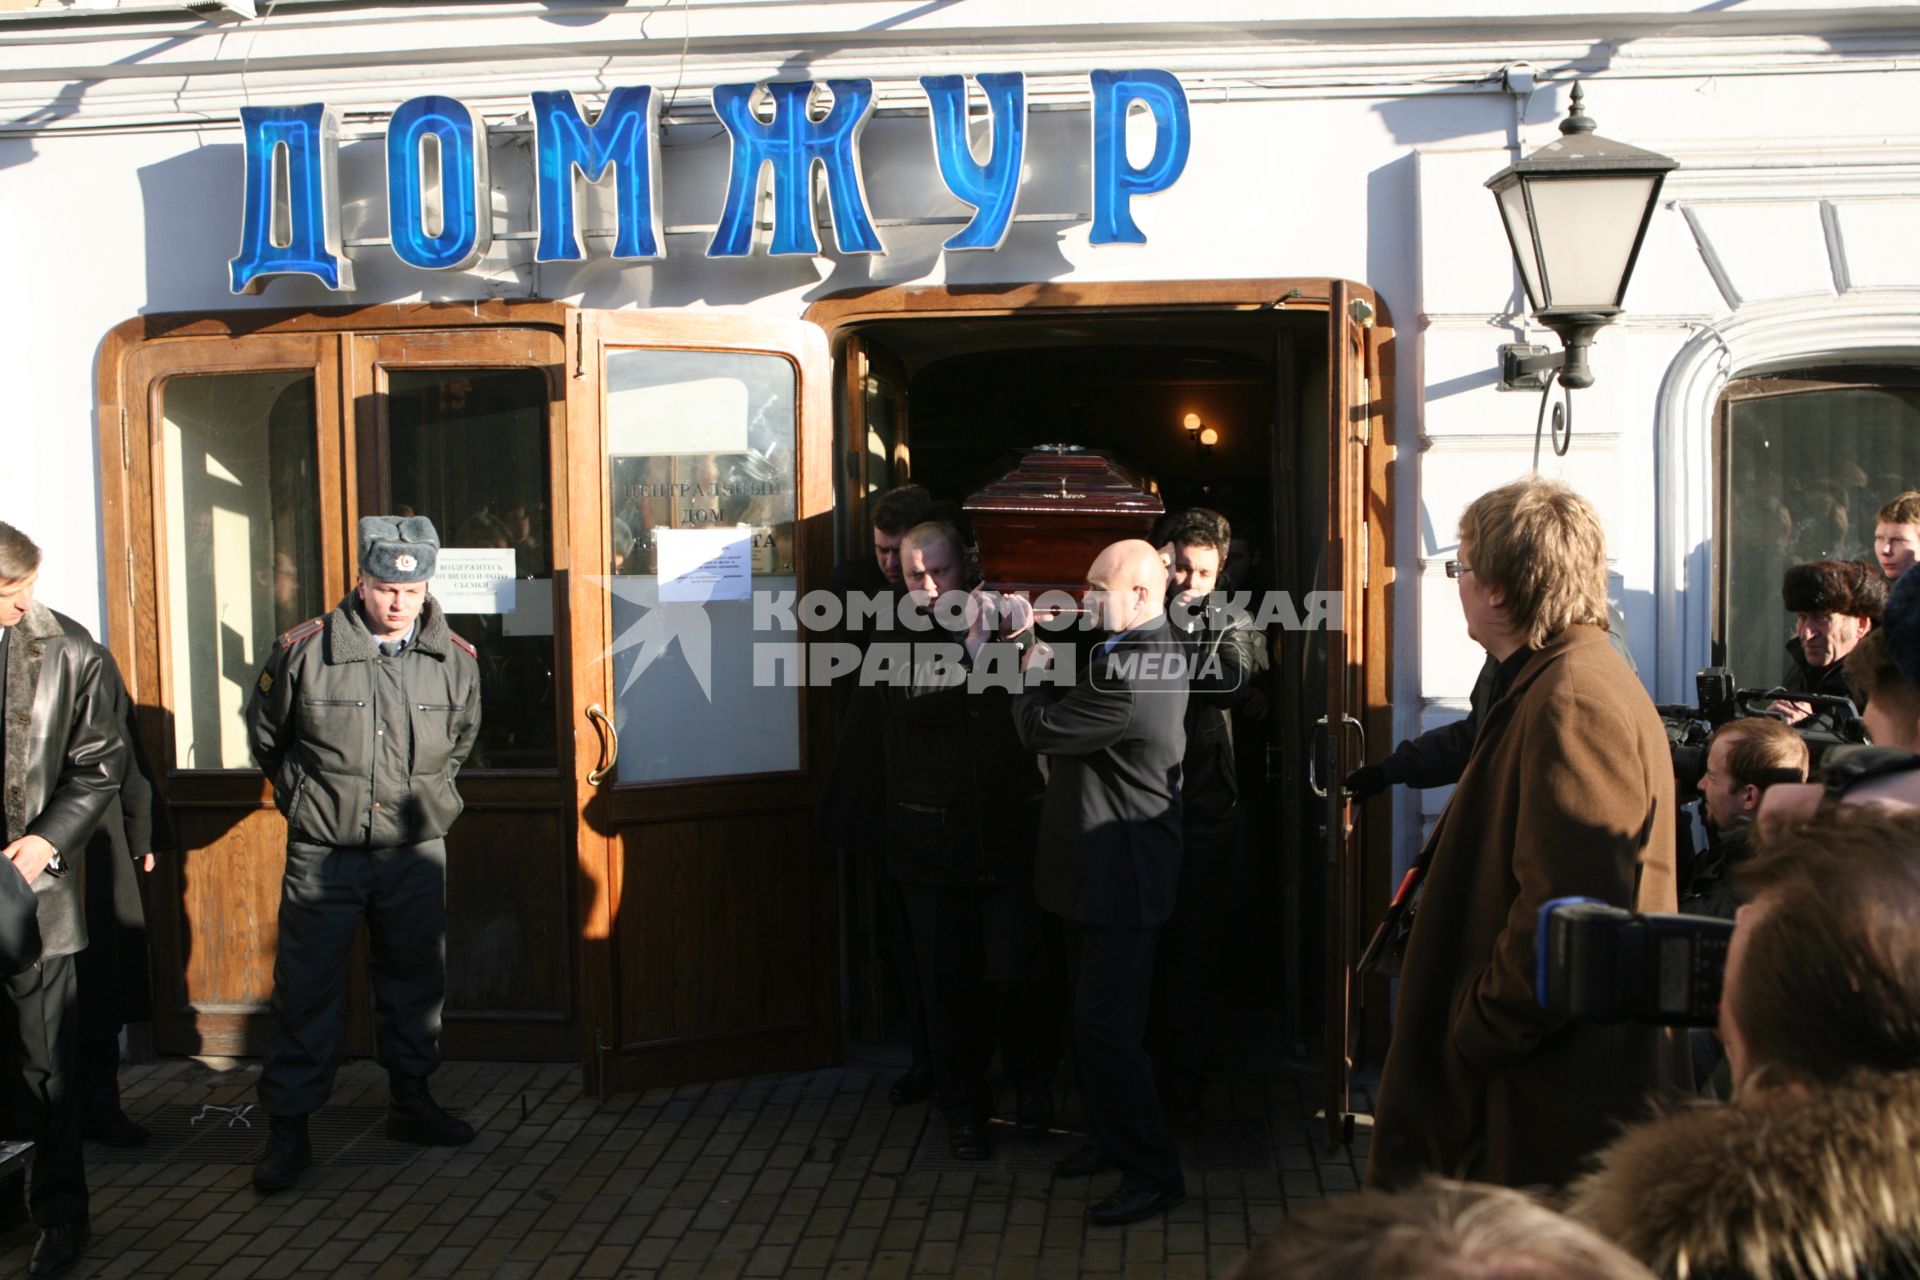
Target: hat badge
pixel 405 563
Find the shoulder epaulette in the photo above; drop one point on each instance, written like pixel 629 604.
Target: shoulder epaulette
pixel 462 642
pixel 301 632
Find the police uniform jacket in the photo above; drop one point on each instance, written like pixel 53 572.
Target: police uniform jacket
pixel 963 794
pixel 362 749
pixel 64 757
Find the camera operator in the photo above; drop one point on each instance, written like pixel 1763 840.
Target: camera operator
pixel 1228 653
pixel 1744 758
pixel 1811 1170
pixel 1568 791
pixel 1834 603
pixel 963 816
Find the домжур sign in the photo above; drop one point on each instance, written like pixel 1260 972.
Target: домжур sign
pixel 437 180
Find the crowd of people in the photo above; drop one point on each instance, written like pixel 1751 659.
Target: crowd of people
pixel 1056 853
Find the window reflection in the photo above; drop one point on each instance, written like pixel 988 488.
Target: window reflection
pixel 1803 470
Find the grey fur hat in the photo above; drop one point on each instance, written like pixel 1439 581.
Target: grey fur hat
pixel 398 548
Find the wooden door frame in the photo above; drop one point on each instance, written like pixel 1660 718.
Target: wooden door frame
pixel 841 312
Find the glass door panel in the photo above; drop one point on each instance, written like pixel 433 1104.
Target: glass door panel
pixel 467 448
pixel 700 459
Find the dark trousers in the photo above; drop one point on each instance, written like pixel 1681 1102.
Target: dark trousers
pixel 1195 961
pixel 42 1013
pixel 982 961
pixel 1110 972
pixel 401 892
pixel 906 966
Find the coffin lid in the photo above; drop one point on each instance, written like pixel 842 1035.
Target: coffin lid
pixel 1067 477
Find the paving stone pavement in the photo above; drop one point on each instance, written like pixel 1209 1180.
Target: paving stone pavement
pixel 806 1175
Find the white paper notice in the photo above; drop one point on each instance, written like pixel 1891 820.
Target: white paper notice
pixel 474 579
pixel 698 565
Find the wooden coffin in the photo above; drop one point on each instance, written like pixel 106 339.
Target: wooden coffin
pixel 1039 526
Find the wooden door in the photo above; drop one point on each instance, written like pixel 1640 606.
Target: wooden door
pixel 469 428
pixel 234 523
pixel 247 461
pixel 1355 666
pixel 710 911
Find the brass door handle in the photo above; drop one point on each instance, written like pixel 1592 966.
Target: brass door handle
pixel 609 745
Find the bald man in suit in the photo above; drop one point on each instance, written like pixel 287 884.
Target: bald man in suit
pixel 1109 862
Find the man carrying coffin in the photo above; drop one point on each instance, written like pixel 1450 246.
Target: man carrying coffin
pixel 1109 862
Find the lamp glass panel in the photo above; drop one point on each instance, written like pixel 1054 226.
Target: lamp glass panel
pixel 1588 227
pixel 1513 210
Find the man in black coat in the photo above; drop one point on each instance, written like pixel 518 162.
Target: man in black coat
pixel 963 814
pixel 853 806
pixel 1228 657
pixel 1109 862
pixel 1834 603
pixel 63 759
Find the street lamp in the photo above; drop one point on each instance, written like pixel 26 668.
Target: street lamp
pixel 1576 212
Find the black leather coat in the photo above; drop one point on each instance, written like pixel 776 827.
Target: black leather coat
pixel 1229 656
pixel 64 758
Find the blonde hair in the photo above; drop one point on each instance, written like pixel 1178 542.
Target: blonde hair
pixel 19 557
pixel 1439 1230
pixel 1904 509
pixel 1540 544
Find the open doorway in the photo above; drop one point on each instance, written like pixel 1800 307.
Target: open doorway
pixel 951 402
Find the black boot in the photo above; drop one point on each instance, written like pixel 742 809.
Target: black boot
pixel 288 1152
pixel 58 1249
pixel 413 1115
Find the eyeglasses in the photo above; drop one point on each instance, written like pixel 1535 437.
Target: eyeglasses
pixel 1458 568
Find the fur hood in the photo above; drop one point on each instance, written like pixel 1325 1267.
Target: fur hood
pixel 1820 1186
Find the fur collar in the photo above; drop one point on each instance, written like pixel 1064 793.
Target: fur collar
pixel 24 656
pixel 348 639
pixel 1815 1187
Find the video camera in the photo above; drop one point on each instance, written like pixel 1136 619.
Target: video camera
pixel 1608 964
pixel 1835 721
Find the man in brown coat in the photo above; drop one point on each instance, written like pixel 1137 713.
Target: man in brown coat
pixel 1569 791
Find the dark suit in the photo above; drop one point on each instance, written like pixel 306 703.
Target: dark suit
pixel 1109 865
pixel 963 812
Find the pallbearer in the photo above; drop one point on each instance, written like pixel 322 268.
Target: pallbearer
pixel 362 719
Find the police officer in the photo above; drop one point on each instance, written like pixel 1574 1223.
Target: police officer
pixel 362 719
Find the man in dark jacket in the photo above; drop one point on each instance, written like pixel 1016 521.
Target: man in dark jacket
pixel 63 760
pixel 1228 656
pixel 1834 603
pixel 1109 863
pixel 362 719
pixel 853 806
pixel 963 813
